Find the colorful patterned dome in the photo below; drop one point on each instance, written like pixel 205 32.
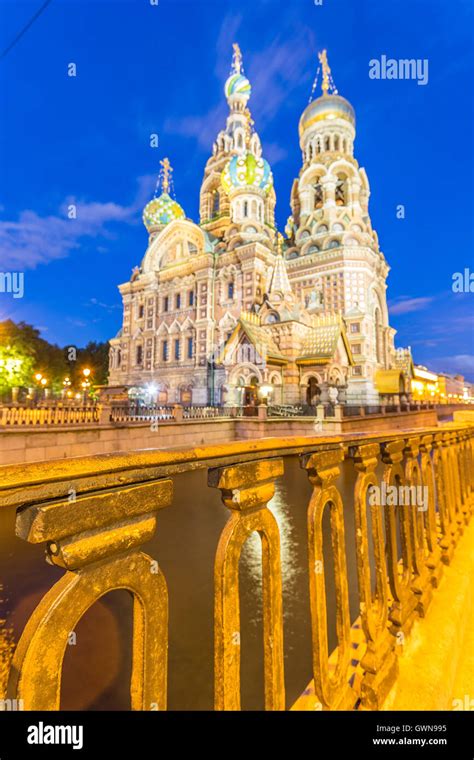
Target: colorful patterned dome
pixel 237 84
pixel 161 211
pixel 247 171
pixel 326 107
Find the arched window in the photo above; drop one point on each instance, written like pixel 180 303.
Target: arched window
pixel 139 355
pixel 318 195
pixel 119 358
pixel 378 335
pixel 240 141
pixel 341 191
pixel 215 203
pixel 246 208
pixel 343 145
pixel 336 142
pixel 310 152
pixel 326 143
pixel 230 290
pixel 254 209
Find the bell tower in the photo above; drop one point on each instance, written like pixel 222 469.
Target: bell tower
pixel 332 248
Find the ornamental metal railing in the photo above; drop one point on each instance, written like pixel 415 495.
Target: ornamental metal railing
pixel 97 538
pixel 19 416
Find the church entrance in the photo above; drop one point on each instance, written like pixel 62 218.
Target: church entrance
pixel 250 397
pixel 313 392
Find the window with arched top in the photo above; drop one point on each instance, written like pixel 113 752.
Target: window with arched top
pixel 215 202
pixel 341 194
pixel 310 152
pixel 333 244
pixel 304 235
pixel 313 249
pixel 318 195
pixel 254 208
pixel 337 227
pixel 336 142
pixel 327 144
pixel 119 358
pixel 246 208
pixel 240 141
pixel 321 229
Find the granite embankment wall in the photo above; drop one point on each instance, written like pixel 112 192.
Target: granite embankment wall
pixel 42 443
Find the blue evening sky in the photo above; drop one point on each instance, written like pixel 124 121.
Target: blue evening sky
pixel 145 69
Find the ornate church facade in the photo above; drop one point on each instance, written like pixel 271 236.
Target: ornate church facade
pixel 231 311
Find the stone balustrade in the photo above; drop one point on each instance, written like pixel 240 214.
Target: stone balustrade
pixel 96 538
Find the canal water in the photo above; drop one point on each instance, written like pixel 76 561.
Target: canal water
pixel 97 664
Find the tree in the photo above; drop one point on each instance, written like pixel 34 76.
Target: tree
pixel 23 353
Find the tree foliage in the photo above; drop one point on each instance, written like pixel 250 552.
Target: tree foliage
pixel 24 353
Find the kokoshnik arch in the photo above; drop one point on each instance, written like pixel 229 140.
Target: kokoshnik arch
pixel 218 309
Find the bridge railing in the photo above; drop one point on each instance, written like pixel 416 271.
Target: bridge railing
pixel 96 539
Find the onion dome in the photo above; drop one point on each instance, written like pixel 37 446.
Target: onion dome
pixel 237 84
pixel 247 171
pixel 163 209
pixel 326 107
pixel 330 105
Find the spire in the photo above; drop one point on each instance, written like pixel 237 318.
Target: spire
pixel 327 83
pixel 165 175
pixel 323 59
pixel 280 282
pixel 237 67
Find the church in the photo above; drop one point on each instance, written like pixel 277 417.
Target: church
pixel 230 311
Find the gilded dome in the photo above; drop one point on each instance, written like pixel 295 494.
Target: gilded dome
pixel 326 107
pixel 247 171
pixel 161 211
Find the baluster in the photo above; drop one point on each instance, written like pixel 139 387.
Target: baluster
pixel 421 583
pixel 433 560
pixel 96 539
pixel 246 490
pixel 400 573
pixel 380 662
pixel 332 689
pixel 470 467
pixel 446 527
pixel 461 459
pixel 453 478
